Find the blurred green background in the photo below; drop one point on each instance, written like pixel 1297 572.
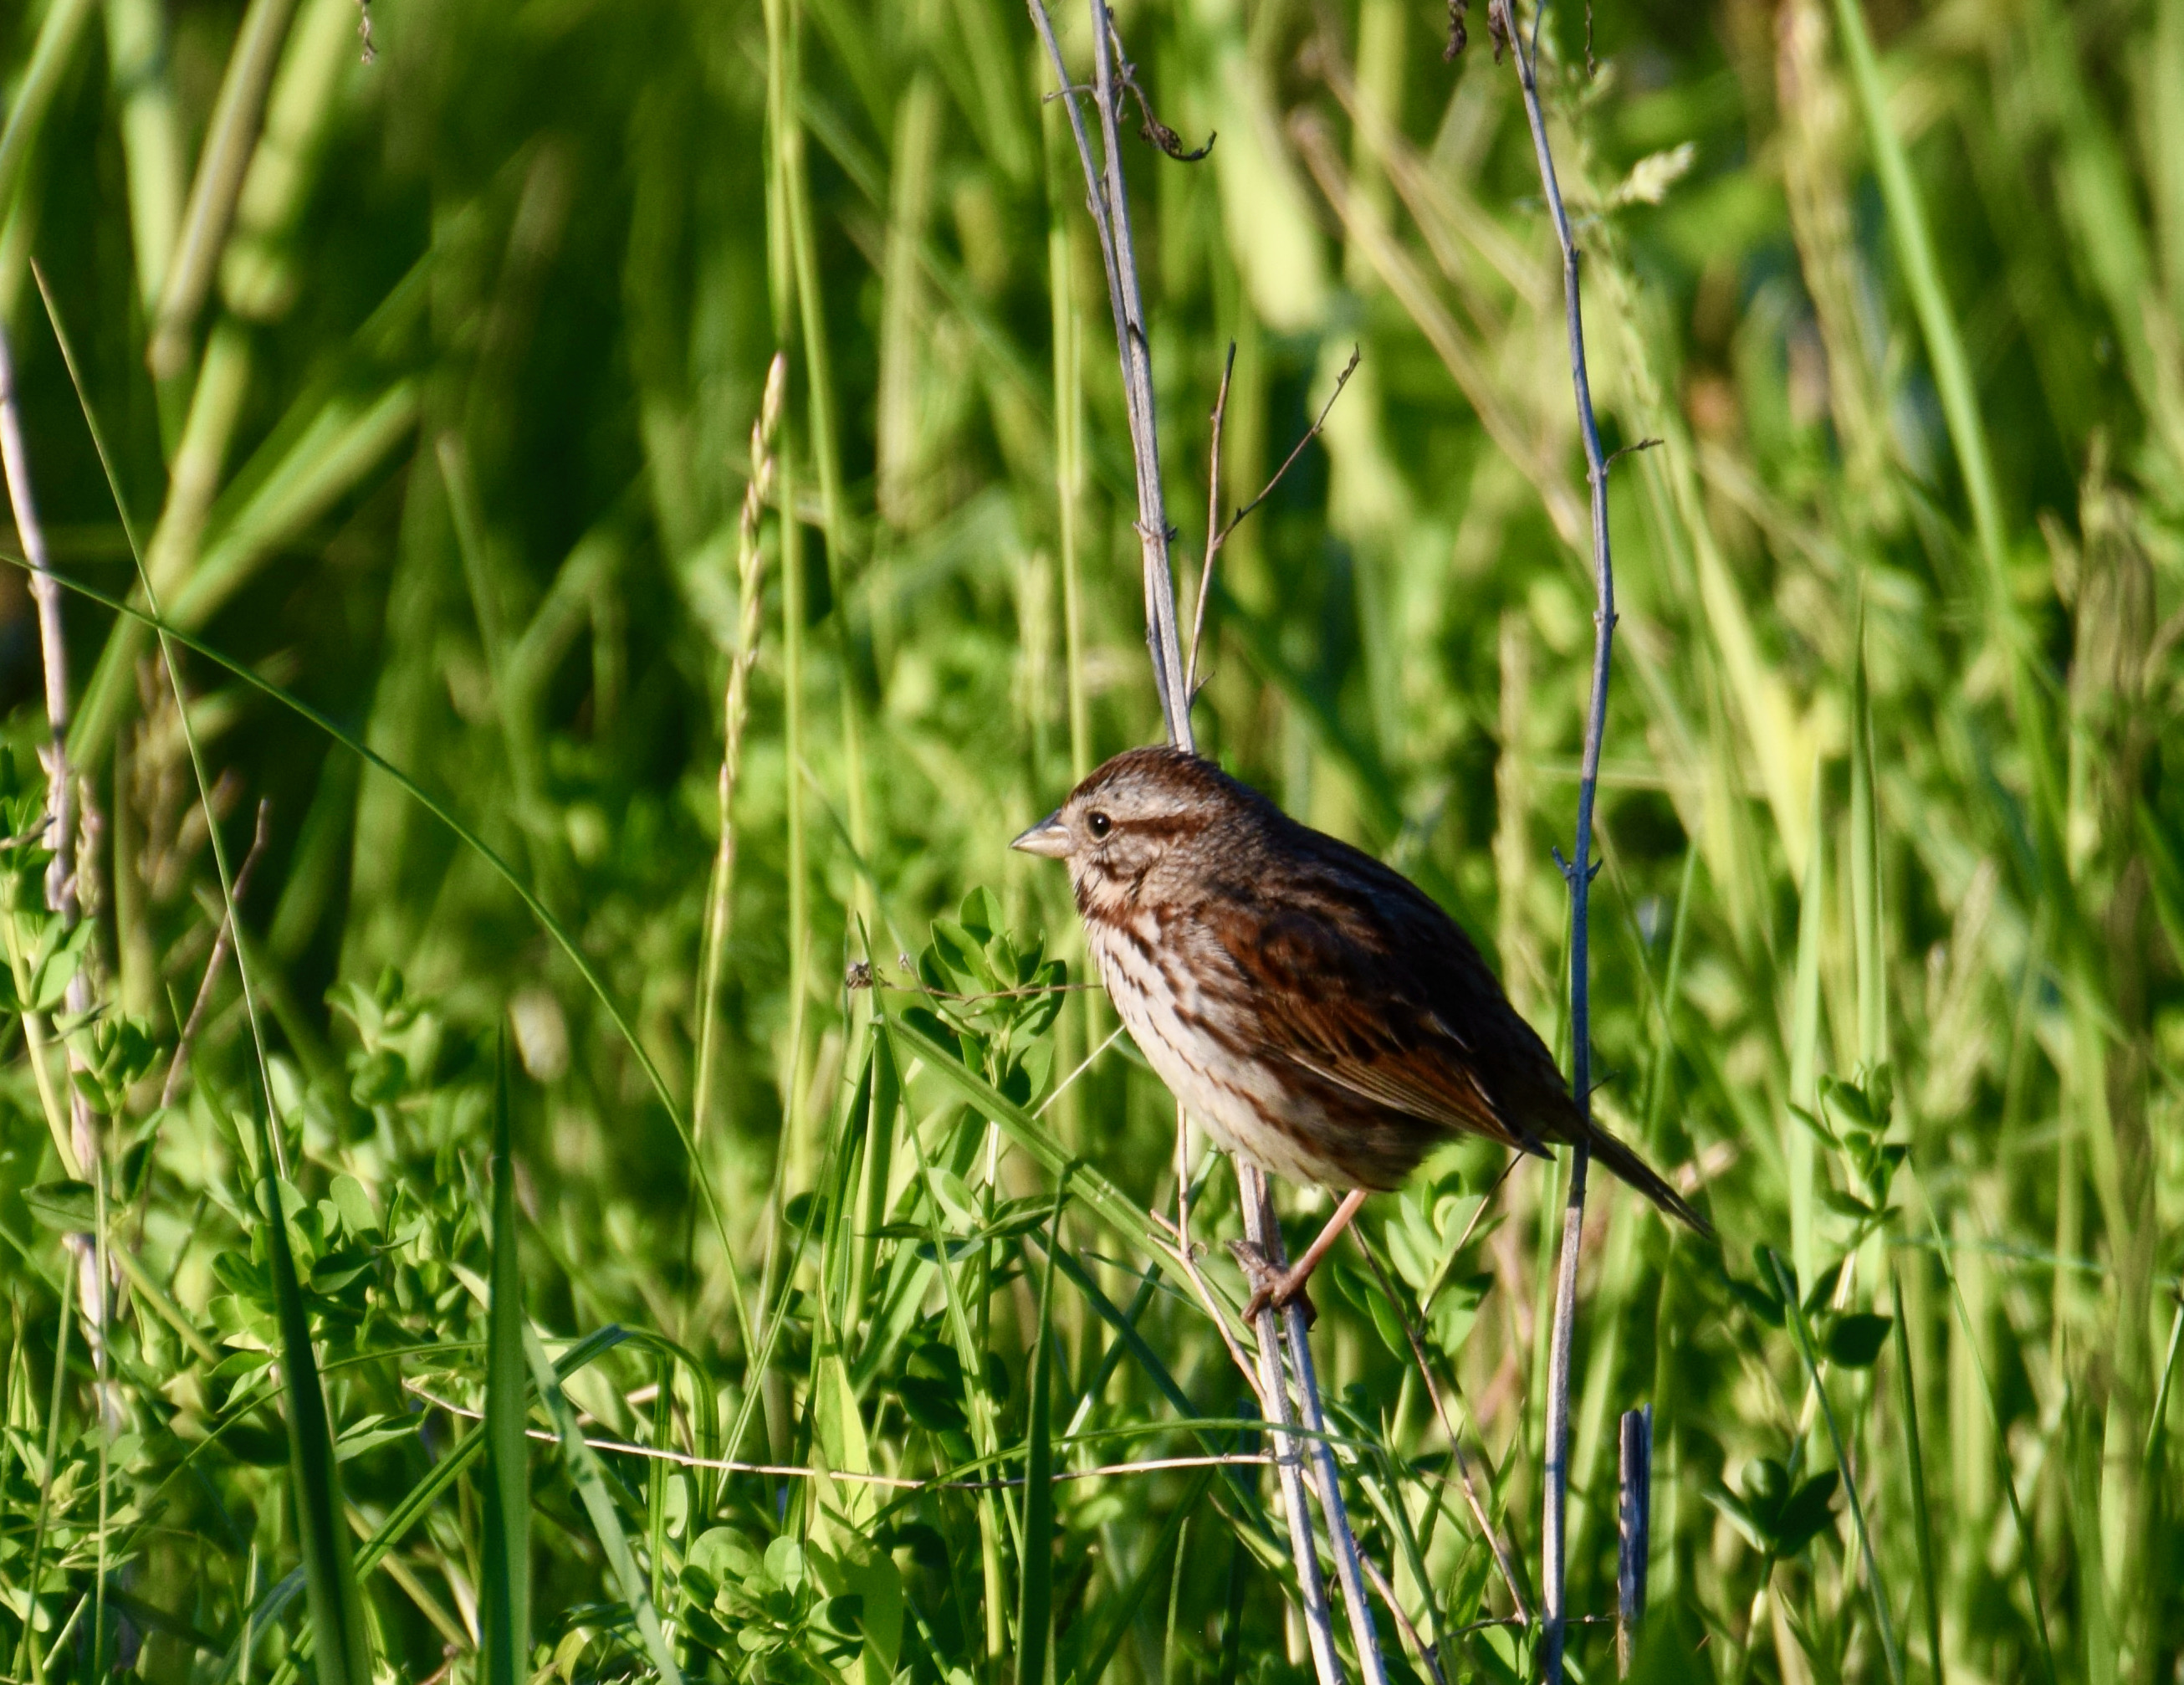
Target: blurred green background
pixel 429 369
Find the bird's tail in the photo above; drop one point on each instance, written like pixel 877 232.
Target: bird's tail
pixel 1640 1176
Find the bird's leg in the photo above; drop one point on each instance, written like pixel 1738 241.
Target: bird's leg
pixel 1277 1287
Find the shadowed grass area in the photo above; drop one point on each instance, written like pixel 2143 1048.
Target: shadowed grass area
pixel 822 1208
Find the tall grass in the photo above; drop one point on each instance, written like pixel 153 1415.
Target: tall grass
pixel 428 385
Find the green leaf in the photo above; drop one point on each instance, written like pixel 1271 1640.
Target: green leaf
pixel 1766 1485
pixel 51 971
pixel 1855 1340
pixel 1847 1100
pixel 963 955
pixel 353 1202
pixel 1757 1533
pixel 372 1432
pixel 981 915
pixel 379 1077
pixel 69 1207
pixel 1800 1519
pixel 931 1387
pixel 1812 1121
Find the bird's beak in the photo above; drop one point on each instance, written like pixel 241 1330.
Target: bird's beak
pixel 1048 837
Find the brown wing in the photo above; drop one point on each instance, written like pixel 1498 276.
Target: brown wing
pixel 1358 978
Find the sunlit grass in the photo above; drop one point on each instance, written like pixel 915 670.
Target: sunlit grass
pixel 429 387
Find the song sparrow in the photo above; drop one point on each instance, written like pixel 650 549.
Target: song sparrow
pixel 1314 1009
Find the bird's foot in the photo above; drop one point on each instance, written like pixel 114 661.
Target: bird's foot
pixel 1271 1288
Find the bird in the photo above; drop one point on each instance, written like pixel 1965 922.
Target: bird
pixel 1317 1012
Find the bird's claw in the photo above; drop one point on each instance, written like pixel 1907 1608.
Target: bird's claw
pixel 1272 1289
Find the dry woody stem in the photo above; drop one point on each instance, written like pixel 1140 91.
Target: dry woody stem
pixel 1108 201
pixel 1579 870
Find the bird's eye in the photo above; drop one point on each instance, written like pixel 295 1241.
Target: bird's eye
pixel 1098 823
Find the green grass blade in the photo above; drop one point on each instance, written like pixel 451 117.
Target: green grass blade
pixel 1035 1604
pixel 58 32
pixel 1953 383
pixel 591 1491
pixel 30 1650
pixel 412 1507
pixel 1115 1208
pixel 357 746
pixel 2024 1535
pixel 1866 871
pixel 1802 1333
pixel 343 1648
pixel 1798 1146
pixel 2157 1433
pixel 1122 1609
pixel 505 1573
pixel 462 833
pixel 1922 273
pixel 1922 1522
pixel 877 1170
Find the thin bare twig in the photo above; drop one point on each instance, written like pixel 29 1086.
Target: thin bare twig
pixel 1311 433
pixel 1213 533
pixel 221 945
pixel 1152 128
pixel 1109 202
pixel 52 645
pixel 1261 1229
pixel 1342 1537
pixel 1182 1254
pixel 1217 534
pixel 683 1459
pixel 81 1152
pixel 1107 199
pixel 1634 1529
pixel 1427 1654
pixel 1577 872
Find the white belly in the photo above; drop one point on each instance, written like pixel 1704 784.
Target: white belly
pixel 1237 1102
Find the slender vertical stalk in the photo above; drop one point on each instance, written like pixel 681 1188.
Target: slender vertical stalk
pixel 784 155
pixel 826 451
pixel 1108 201
pixel 750 561
pixel 229 141
pixel 63 895
pixel 58 31
pixel 1069 473
pixel 1080 1018
pixel 27 1648
pixel 750 564
pixel 52 646
pixel 1261 1229
pixel 1635 1519
pixel 1348 1569
pixel 1579 871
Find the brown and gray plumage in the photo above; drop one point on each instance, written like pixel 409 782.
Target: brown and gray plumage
pixel 1313 1009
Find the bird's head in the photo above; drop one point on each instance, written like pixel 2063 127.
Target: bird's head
pixel 1133 814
